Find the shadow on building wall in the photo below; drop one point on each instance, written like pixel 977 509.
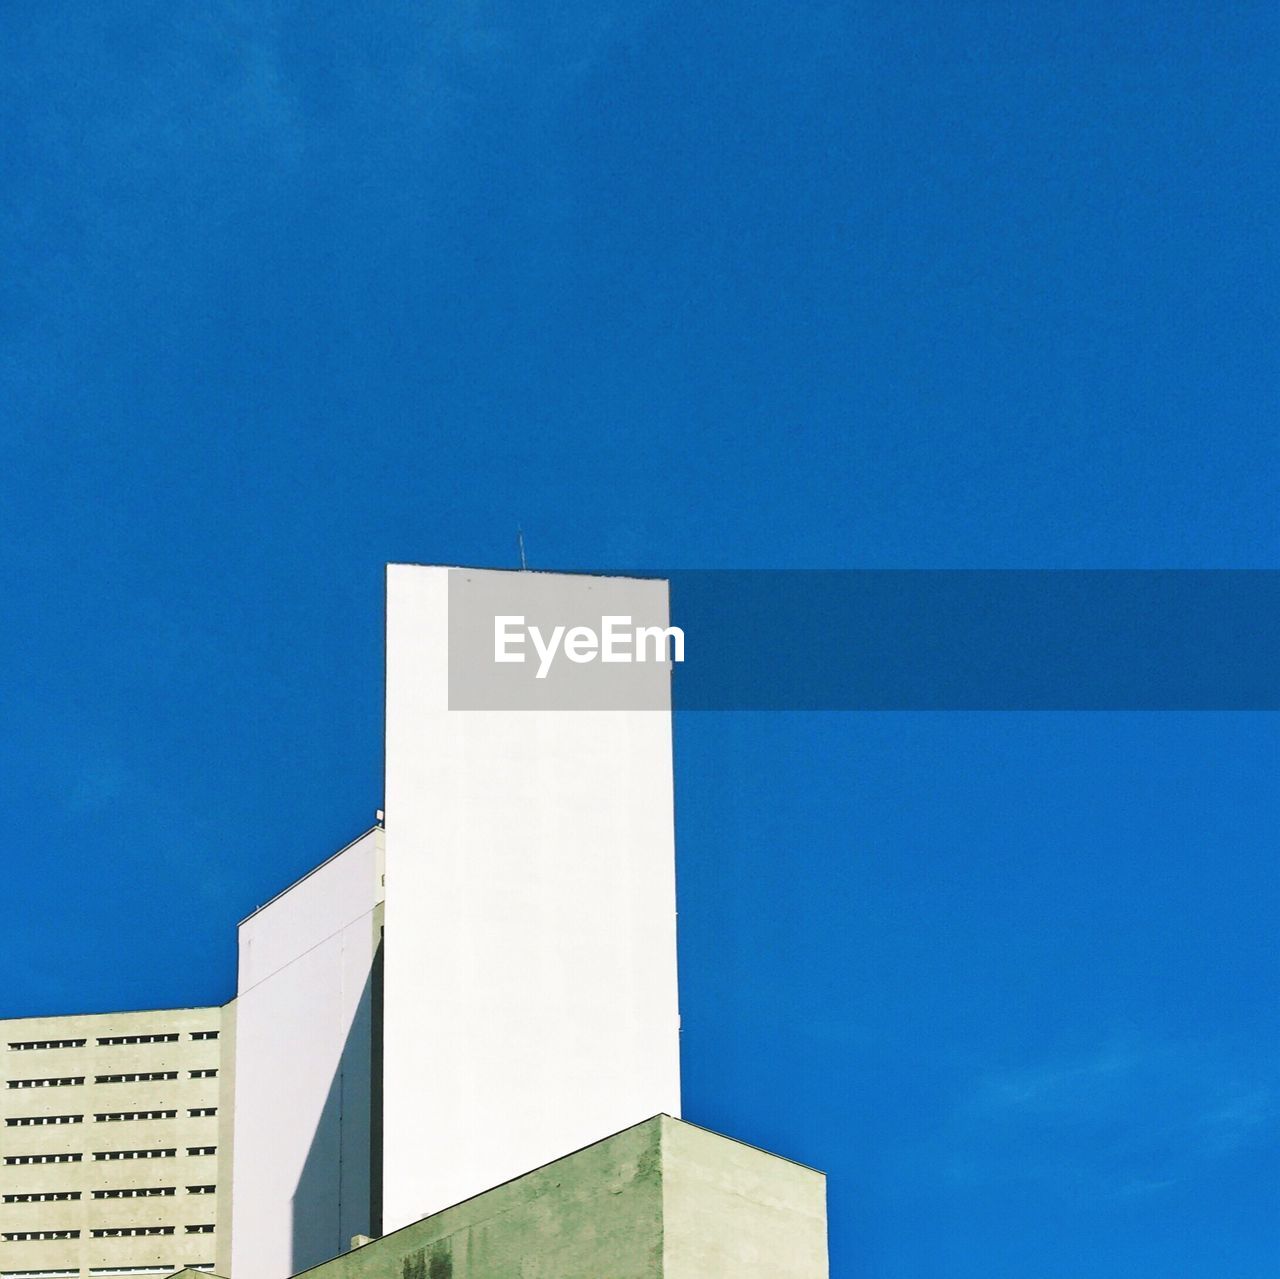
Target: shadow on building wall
pixel 339 1191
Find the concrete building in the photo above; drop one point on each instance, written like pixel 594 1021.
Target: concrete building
pixel 660 1200
pixel 531 998
pixel 116 1142
pixel 307 1089
pixel 481 983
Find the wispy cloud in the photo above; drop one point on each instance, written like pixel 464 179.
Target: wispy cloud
pixel 1129 1117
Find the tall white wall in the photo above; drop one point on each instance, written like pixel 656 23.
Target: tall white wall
pixel 304 1179
pixel 530 978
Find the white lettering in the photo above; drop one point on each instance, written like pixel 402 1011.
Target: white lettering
pixel 546 652
pixel 611 638
pixel 502 637
pixel 660 636
pixel 581 644
pixel 616 641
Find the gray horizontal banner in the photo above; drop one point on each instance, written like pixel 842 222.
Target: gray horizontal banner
pixel 868 640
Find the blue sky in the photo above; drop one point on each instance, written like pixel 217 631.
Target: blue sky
pixel 293 290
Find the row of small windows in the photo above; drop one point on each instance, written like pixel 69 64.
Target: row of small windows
pixel 28 1044
pixel 132 1077
pixel 111 1041
pixel 114 1116
pixel 127 1192
pixel 104 1271
pixel 126 1116
pixel 168 1037
pixel 136 1270
pixel 104 1232
pixel 106 1155
pixel 135 1154
pixel 138 1077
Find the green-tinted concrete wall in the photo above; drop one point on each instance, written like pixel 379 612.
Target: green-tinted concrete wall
pixel 730 1210
pixel 596 1214
pixel 662 1200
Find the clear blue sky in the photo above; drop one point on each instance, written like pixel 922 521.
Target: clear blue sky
pixel 291 290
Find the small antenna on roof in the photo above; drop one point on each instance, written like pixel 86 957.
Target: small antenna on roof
pixel 524 563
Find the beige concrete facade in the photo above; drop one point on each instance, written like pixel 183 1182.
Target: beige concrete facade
pixel 115 1133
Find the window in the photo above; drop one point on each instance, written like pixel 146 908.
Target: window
pixel 134 1154
pixel 39 1274
pixel 200 1230
pixel 132 1270
pixel 204 1034
pixel 200 1265
pixel 135 1192
pixel 36 1121
pixel 136 1077
pixel 30 1045
pixel 201 1190
pixel 66 1081
pixel 106 1041
pixel 123 1116
pixel 120 1232
pixel 20 1236
pixel 202 1150
pixel 42 1197
pixel 43 1159
pixel 208 1073
pixel 203 1112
